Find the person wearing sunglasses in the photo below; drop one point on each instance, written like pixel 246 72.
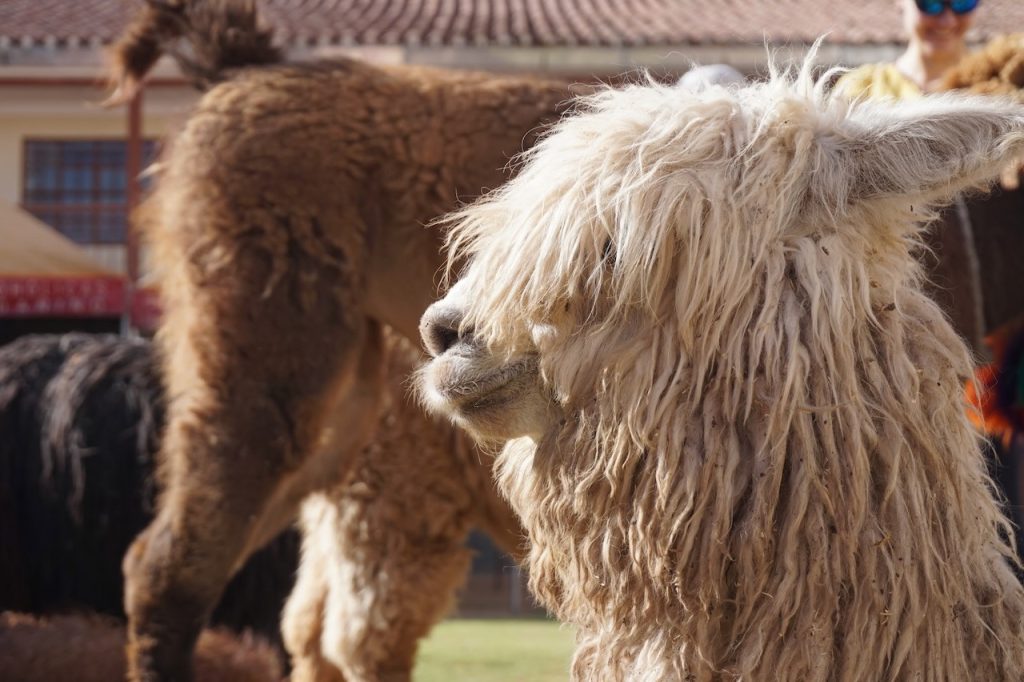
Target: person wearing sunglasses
pixel 935 32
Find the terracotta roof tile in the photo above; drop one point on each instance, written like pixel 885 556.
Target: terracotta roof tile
pixel 517 22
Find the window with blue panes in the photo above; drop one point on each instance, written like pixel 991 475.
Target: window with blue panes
pixel 79 187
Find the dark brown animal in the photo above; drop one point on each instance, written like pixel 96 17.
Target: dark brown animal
pixel 80 421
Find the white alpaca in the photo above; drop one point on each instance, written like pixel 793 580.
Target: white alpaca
pixel 742 450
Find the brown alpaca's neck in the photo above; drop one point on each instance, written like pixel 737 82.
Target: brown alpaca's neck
pixel 405 262
pixel 460 153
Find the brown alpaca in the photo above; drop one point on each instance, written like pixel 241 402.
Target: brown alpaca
pixel 286 227
pixel 91 649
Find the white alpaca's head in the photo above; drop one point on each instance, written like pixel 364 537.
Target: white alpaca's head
pixel 703 312
pixel 654 214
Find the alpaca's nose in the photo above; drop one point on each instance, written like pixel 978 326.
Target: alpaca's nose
pixel 439 328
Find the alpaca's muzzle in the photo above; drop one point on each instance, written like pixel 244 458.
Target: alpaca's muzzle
pixel 440 328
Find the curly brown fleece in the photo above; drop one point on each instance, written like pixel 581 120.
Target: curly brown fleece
pixel 996 69
pixel 91 649
pixel 286 227
pixel 384 553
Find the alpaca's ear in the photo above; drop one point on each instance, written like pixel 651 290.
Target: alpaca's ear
pixel 927 150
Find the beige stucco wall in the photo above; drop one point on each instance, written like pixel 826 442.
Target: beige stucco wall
pixel 73 112
pixel 69 112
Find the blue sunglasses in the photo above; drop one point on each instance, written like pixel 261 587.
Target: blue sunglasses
pixel 934 8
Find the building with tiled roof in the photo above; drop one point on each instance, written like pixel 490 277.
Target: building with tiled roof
pixel 519 23
pixel 563 35
pixel 62 157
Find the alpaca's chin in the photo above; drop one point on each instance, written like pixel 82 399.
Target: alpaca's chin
pixel 495 402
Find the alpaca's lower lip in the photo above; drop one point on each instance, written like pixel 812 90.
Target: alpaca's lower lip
pixel 467 389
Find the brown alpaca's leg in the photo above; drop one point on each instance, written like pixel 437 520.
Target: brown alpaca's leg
pixel 243 445
pixel 380 605
pixel 176 568
pixel 391 538
pixel 303 617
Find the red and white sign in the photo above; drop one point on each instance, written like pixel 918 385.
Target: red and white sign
pixel 61 296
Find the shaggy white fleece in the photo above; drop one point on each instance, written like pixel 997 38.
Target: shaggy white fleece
pixel 756 462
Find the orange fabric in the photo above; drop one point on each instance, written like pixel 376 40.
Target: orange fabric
pixel 985 414
pixel 992 414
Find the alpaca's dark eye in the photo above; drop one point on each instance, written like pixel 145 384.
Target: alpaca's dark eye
pixel 608 253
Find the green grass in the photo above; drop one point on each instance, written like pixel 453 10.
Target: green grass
pixel 495 651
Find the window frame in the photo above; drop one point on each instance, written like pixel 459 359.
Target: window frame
pixel 95 233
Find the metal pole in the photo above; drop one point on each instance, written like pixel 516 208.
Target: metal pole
pixel 133 168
